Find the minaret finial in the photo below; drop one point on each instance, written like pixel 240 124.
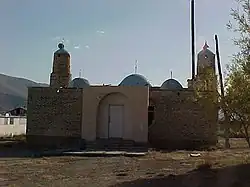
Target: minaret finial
pixel 136 66
pixel 80 73
pixel 205 47
pixel 171 74
pixel 61 44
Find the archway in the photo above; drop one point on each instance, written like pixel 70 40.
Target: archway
pixel 111 116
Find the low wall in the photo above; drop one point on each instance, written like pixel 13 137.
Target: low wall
pixel 181 122
pixel 54 116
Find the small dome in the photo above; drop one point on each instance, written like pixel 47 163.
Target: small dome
pixel 135 80
pixel 171 84
pixel 79 83
pixel 61 49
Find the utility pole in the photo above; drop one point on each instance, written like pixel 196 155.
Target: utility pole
pixel 192 22
pixel 223 104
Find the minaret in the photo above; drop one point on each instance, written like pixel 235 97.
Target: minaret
pixel 60 76
pixel 206 73
pixel 206 59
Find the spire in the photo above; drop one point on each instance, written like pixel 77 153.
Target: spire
pixel 80 73
pixel 171 74
pixel 136 64
pixel 205 47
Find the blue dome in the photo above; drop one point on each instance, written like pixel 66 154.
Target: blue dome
pixel 61 49
pixel 79 83
pixel 135 80
pixel 171 84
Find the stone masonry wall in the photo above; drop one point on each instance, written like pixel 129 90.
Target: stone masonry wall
pixel 54 117
pixel 181 122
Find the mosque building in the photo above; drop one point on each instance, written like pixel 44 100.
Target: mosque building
pixel 78 114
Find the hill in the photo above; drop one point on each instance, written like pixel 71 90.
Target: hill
pixel 14 91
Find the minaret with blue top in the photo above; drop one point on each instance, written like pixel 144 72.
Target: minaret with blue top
pixel 60 76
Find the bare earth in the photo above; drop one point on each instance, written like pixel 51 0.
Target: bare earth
pixel 175 169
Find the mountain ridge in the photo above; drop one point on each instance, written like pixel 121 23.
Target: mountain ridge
pixel 14 91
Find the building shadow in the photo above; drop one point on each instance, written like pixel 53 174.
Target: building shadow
pixel 20 149
pixel 233 176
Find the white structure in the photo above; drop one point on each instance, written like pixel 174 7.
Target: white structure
pixel 12 125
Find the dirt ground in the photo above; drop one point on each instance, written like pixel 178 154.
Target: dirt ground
pixel 230 168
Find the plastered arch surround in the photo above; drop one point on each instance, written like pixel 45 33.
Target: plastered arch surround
pixel 102 126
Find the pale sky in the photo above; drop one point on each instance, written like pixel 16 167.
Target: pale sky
pixel 105 37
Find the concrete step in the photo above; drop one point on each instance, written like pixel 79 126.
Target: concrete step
pixel 113 145
pixel 115 149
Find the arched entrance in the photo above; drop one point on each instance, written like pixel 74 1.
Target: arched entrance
pixel 111 116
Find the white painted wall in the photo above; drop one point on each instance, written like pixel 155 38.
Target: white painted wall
pixel 12 125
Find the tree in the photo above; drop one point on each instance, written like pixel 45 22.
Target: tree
pixel 238 80
pixel 238 101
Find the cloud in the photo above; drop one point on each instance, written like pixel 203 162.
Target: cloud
pixel 86 46
pixel 77 47
pixel 100 32
pixel 67 41
pixel 56 38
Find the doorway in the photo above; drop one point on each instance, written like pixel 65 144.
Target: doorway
pixel 116 121
pixel 151 111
